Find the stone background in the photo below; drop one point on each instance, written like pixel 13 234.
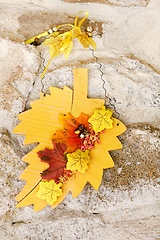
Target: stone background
pixel 127 33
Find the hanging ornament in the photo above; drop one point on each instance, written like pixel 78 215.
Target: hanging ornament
pixel 74 133
pixel 74 136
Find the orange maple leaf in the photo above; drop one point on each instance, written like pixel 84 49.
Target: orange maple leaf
pixel 68 135
pixel 40 124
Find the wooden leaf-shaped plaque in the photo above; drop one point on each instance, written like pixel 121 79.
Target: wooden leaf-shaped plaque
pixel 40 124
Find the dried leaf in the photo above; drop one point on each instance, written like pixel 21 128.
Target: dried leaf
pixel 78 161
pixel 101 119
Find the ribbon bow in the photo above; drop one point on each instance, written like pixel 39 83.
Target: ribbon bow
pixel 63 43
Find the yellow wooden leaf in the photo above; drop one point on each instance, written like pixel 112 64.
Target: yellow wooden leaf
pixel 101 119
pixel 39 125
pixel 78 161
pixel 49 191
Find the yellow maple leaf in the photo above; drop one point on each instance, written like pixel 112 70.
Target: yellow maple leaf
pixel 78 161
pixel 101 119
pixel 49 191
pixel 40 123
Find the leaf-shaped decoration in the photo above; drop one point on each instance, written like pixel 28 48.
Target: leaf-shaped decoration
pixel 68 49
pixel 101 119
pixel 86 41
pixel 49 191
pixel 40 124
pixel 78 161
pixel 56 160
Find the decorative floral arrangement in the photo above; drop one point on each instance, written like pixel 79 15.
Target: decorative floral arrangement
pixel 71 150
pixel 74 139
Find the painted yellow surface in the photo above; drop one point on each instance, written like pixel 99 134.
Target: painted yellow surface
pixel 39 125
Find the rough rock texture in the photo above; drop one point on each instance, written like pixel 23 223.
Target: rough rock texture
pixel 127 204
pixel 122 3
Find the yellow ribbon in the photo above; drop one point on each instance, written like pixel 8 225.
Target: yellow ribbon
pixel 38 36
pixel 44 34
pixel 63 41
pixel 75 23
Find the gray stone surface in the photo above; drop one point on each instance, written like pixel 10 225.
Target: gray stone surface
pixel 127 204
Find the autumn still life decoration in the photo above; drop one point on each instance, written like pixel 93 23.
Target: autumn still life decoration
pixel 74 139
pixel 74 133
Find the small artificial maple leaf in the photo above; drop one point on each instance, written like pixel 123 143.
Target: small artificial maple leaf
pixel 78 161
pixel 56 160
pixel 49 191
pixel 101 119
pixel 67 135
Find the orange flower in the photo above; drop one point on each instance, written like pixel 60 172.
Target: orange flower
pixel 75 129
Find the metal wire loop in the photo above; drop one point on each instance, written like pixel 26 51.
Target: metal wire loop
pixel 43 61
pixel 109 102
